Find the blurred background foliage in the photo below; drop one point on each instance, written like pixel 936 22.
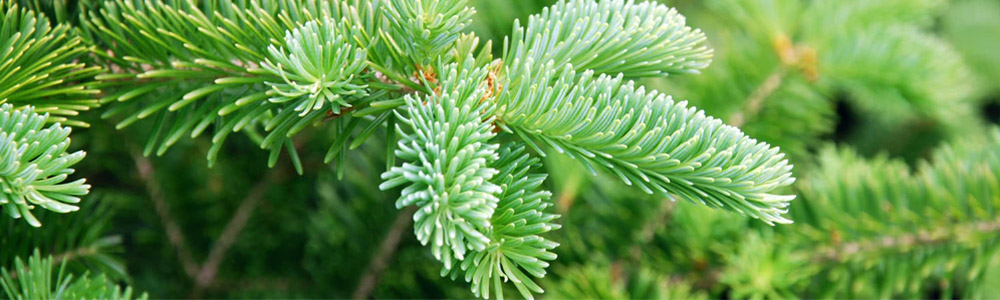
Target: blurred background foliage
pixel 885 108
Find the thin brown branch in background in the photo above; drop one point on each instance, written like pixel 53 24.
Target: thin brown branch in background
pixel 755 102
pixel 923 237
pixel 174 234
pixel 210 267
pixel 74 254
pixel 649 229
pixel 384 254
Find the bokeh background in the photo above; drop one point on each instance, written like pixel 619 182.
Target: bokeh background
pixel 855 92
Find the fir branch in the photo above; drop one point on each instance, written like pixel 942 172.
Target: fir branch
pixel 858 209
pixel 34 163
pixel 42 66
pixel 35 280
pixel 609 37
pixel 421 32
pixel 517 250
pixel 446 170
pixel 648 140
pixel 276 65
pixel 877 68
pixel 67 256
pixel 925 237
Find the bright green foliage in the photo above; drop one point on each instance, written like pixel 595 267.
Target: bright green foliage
pixel 789 61
pixel 319 69
pixel 857 210
pixel 610 37
pixel 876 68
pixel 447 162
pixel 40 65
pixel 84 237
pixel 422 31
pixel 274 68
pixel 516 247
pixel 596 281
pixel 964 25
pixel 34 165
pixel 282 66
pixel 607 122
pixel 650 141
pixel 762 269
pixel 410 81
pixel 34 280
pixel 198 66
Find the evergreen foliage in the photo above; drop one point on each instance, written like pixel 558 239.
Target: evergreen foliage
pixel 34 280
pixel 926 219
pixel 795 56
pixel 35 165
pixel 516 246
pixel 42 65
pixel 81 241
pixel 534 158
pixel 447 162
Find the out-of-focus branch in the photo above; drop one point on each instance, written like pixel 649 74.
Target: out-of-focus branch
pixel 923 237
pixel 385 253
pixel 174 234
pixel 755 102
pixel 210 268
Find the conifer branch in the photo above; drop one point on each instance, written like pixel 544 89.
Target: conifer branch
pixel 35 280
pixel 34 163
pixel 41 66
pixel 271 68
pixel 648 140
pixel 611 37
pixel 446 169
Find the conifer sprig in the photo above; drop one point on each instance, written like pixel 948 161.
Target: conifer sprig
pixel 279 66
pixel 423 31
pixel 517 249
pixel 318 68
pixel 856 211
pixel 42 66
pixel 191 67
pixel 446 170
pixel 648 140
pixel 34 164
pixel 616 36
pixel 35 280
